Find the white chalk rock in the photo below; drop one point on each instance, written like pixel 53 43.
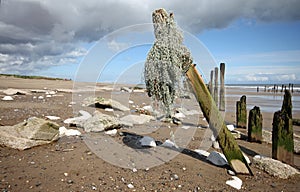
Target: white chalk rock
pixel 274 167
pixel 109 109
pixel 170 144
pixel 217 158
pixel 147 141
pixel 52 117
pixel 7 98
pixel 40 97
pixel 179 115
pixel 78 121
pixel 137 119
pixel 68 132
pixel 15 92
pixel 235 182
pixel 112 132
pixel 202 152
pixel 230 127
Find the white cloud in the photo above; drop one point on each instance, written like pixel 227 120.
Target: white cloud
pixel 116 46
pixel 48 30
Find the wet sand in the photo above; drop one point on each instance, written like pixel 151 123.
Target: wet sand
pixel 71 165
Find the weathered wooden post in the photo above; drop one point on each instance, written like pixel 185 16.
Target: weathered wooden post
pixel 255 125
pixel 169 41
pixel 241 112
pixel 282 135
pixel 222 87
pixel 216 90
pixel 211 83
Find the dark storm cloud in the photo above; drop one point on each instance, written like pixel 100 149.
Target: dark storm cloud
pixel 40 33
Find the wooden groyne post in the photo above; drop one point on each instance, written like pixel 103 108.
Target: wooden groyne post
pixel 255 125
pixel 222 87
pixel 241 112
pixel 210 87
pixel 216 85
pixel 282 135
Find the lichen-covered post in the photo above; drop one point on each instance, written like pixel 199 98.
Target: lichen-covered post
pixel 241 112
pixel 282 134
pixel 255 125
pixel 216 85
pixel 222 87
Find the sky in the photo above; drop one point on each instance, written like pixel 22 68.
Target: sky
pixel 108 40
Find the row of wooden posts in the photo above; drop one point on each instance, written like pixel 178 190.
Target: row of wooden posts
pixel 282 133
pixel 213 86
pixel 275 88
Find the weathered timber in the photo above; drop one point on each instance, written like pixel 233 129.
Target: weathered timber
pixel 222 87
pixel 216 90
pixel 210 111
pixel 241 112
pixel 211 85
pixel 255 125
pixel 296 122
pixel 282 134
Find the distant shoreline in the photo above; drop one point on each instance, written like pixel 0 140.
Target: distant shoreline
pixel 34 77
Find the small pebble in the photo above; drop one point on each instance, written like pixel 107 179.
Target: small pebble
pixel 130 186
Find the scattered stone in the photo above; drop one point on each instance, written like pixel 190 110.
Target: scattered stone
pixel 130 186
pixel 15 92
pixel 53 118
pixel 274 167
pixel 126 89
pixel 134 170
pixel 38 91
pixel 137 119
pixel 230 172
pixel 174 177
pixel 109 109
pixel 112 132
pixel 7 98
pixel 202 152
pixel 79 121
pixel 147 141
pixel 101 122
pixel 185 127
pixel 217 158
pixel 179 115
pixel 230 127
pixel 40 97
pixel 169 144
pixel 48 96
pixel 32 132
pixel 130 102
pixel 101 102
pixel 215 145
pixel 68 132
pixel 188 112
pixel 66 174
pixel 235 183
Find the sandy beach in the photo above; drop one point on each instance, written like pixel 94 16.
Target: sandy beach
pixel 75 163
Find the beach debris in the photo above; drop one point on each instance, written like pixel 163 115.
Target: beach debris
pixel 11 91
pixel 230 127
pixel 101 122
pixel 235 182
pixel 32 132
pixel 52 118
pixel 7 98
pixel 137 119
pixel 100 102
pixel 78 121
pixel 222 87
pixel 274 167
pixel 63 131
pixel 109 109
pixel 169 144
pixel 217 158
pixel 255 125
pixel 126 89
pixel 216 87
pixel 241 112
pixel 130 186
pixel 202 152
pixel 147 141
pixel 282 134
pixel 112 132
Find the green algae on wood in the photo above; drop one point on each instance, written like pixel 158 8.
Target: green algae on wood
pixel 255 125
